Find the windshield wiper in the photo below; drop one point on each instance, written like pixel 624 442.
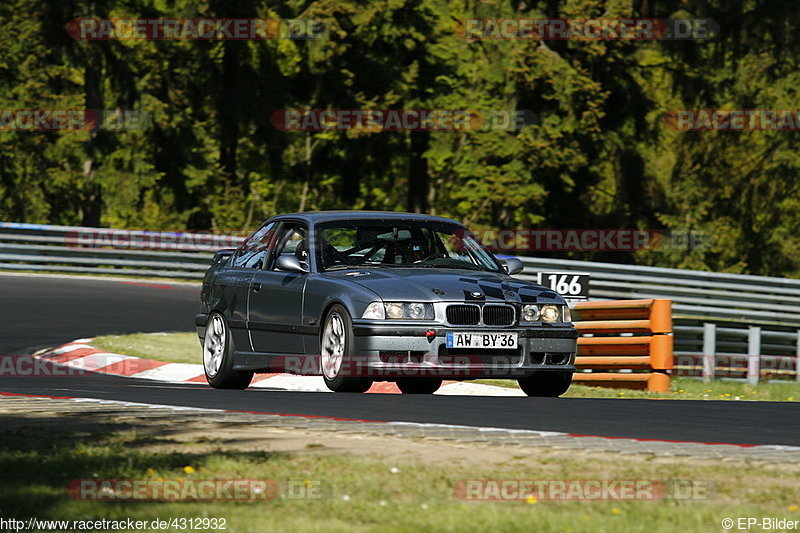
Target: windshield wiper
pixel 465 266
pixel 362 265
pixel 339 267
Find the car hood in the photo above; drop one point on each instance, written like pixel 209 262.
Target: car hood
pixel 429 285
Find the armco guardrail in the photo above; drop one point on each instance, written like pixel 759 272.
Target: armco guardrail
pixel 696 295
pixel 640 361
pixel 75 249
pixel 737 352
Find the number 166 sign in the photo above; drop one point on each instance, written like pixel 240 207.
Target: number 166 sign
pixel 568 285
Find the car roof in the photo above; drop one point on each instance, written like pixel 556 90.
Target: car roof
pixel 315 217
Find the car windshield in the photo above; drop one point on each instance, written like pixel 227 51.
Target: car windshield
pixel 414 244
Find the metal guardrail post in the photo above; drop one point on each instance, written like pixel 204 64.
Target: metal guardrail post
pixel 797 359
pixel 709 350
pixel 753 354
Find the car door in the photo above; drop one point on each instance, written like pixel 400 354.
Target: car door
pixel 276 298
pixel 232 283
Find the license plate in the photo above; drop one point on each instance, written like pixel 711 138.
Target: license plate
pixel 486 341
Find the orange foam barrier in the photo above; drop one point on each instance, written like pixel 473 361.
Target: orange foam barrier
pixel 656 349
pixel 651 350
pixel 621 316
pixel 655 381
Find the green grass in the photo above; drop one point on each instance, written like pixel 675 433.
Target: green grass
pixel 686 389
pixel 368 493
pixel 170 347
pixel 185 348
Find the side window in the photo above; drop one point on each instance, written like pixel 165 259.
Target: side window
pixel 253 253
pixel 292 241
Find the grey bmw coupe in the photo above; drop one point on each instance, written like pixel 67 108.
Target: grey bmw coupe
pixel 361 296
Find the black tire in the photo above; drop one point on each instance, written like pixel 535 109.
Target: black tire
pixel 419 385
pixel 225 376
pixel 550 384
pixel 335 379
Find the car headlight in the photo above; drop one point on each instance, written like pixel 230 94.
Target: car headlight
pixel 375 310
pixel 565 313
pixel 399 311
pixel 417 311
pixel 530 313
pixel 550 313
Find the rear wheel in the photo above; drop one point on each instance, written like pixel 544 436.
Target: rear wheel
pixel 546 383
pixel 419 385
pixel 336 359
pixel 218 356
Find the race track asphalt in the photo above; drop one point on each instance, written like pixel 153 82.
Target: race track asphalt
pixel 43 311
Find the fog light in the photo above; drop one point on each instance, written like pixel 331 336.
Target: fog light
pixel 416 311
pixel 530 313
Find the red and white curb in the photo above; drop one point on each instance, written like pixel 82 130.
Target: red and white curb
pixel 80 355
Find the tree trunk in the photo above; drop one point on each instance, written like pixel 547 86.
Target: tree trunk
pixel 92 203
pixel 418 179
pixel 228 109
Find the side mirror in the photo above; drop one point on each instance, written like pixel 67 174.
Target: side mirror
pixel 513 265
pixel 221 255
pixel 290 263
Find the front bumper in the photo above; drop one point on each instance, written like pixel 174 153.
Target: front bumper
pixel 200 321
pixel 394 351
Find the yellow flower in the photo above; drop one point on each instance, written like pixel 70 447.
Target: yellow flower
pixel 615 511
pixel 531 500
pixel 188 469
pixel 150 471
pixel 307 482
pixel 792 508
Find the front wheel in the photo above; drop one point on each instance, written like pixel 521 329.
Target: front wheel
pixel 546 383
pixel 218 356
pixel 419 385
pixel 336 359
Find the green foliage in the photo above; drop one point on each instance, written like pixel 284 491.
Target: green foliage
pixel 598 155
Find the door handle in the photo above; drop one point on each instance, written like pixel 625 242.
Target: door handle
pixel 256 287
